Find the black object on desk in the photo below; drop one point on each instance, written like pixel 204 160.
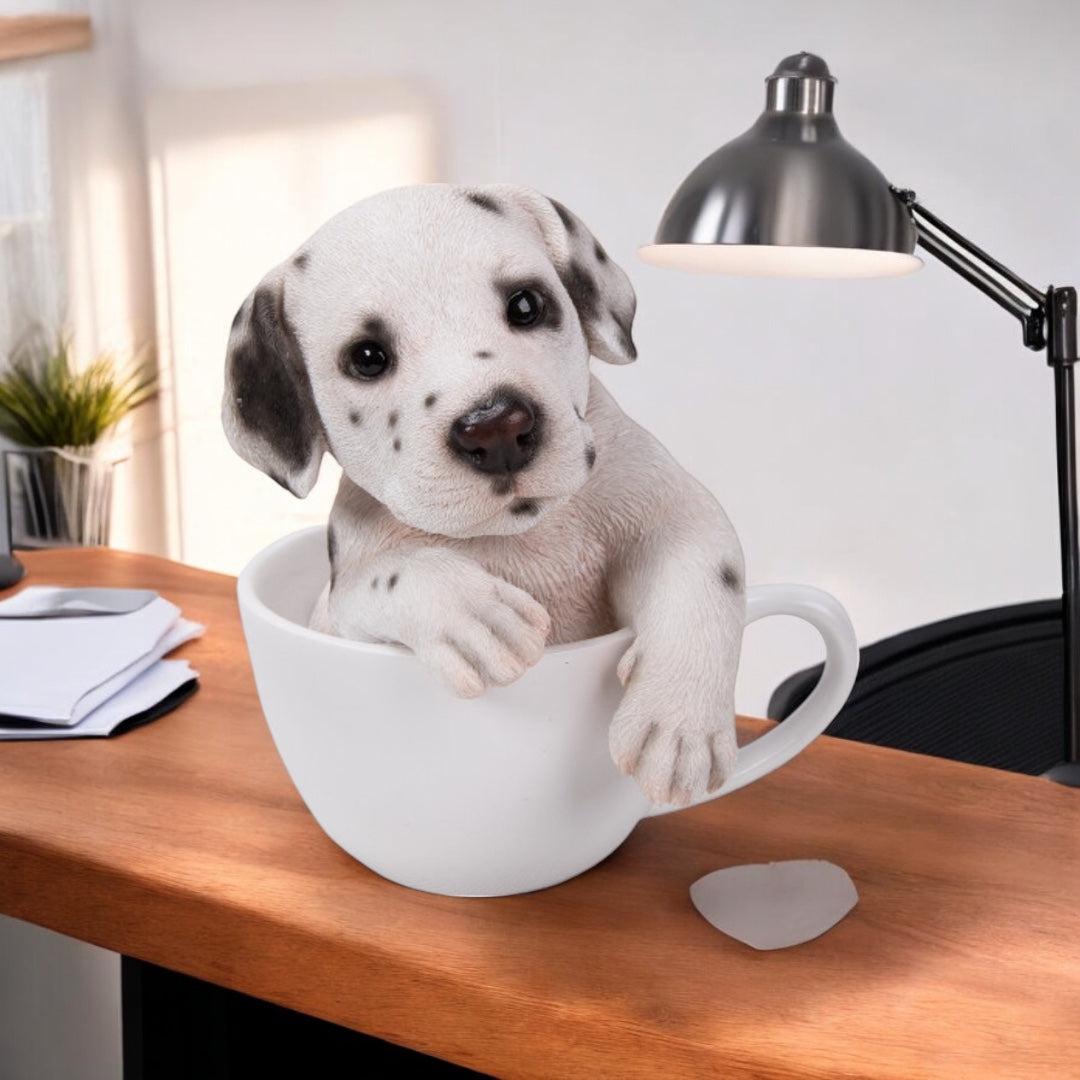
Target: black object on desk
pixel 985 688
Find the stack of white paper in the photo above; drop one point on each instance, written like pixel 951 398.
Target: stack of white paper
pixel 79 662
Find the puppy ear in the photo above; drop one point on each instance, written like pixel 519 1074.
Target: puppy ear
pixel 268 410
pixel 600 290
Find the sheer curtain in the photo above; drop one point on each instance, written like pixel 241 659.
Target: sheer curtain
pixel 31 266
pixel 31 274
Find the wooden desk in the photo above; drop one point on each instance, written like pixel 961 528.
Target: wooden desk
pixel 185 844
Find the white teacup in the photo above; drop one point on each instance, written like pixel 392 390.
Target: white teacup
pixel 505 793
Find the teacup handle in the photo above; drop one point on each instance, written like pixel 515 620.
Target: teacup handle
pixel 779 745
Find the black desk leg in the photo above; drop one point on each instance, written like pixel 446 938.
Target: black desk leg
pixel 180 1028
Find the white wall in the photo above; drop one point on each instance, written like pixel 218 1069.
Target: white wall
pixel 889 440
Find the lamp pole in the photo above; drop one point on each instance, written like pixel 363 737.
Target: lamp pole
pixel 1061 354
pixel 1048 322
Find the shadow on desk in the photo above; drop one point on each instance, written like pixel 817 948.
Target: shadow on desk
pixel 180 1028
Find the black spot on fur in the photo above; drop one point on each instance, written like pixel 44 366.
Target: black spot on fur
pixel 430 400
pixel 397 444
pixel 355 417
pixel 300 261
pixel 484 354
pixel 392 582
pixel 392 419
pixel 578 413
pixel 377 328
pixel 272 395
pixel 590 455
pixel 485 202
pixel 601 254
pixel 583 290
pixel 374 582
pixel 565 216
pixel 525 508
pixel 331 550
pixel 729 577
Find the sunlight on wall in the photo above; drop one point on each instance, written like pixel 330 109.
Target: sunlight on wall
pixel 239 179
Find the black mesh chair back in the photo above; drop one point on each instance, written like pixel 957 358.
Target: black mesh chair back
pixel 986 688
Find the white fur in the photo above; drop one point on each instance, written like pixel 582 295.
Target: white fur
pixel 427 552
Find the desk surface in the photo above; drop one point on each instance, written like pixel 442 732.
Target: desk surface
pixel 185 844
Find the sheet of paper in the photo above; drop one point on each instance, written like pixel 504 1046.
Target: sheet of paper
pixel 51 601
pixel 50 668
pixel 162 678
pixel 182 630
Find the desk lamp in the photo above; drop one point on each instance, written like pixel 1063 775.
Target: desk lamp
pixel 792 198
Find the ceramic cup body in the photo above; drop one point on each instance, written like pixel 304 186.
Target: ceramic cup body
pixel 506 793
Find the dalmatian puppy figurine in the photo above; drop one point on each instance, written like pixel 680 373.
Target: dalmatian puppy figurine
pixel 436 340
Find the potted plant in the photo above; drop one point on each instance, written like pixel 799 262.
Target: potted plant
pixel 58 477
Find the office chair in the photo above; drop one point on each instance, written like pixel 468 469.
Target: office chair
pixel 985 688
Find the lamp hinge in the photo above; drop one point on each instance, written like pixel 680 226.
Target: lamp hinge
pixel 1061 326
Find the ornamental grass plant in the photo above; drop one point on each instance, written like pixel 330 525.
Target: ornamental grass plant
pixel 58 479
pixel 45 401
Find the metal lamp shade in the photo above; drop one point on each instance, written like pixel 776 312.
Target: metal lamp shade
pixel 790 197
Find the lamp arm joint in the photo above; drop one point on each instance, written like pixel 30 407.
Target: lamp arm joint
pixel 1006 288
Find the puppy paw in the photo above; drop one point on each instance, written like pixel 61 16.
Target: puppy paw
pixel 488 633
pixel 677 749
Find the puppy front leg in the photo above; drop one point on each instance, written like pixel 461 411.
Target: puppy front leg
pixel 471 629
pixel 681 589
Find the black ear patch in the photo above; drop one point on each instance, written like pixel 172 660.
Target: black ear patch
pixel 270 415
pixel 564 216
pixel 270 401
pixel 599 289
pixel 583 290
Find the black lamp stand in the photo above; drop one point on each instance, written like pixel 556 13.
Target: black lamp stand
pixel 1048 320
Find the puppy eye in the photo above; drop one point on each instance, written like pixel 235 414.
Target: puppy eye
pixel 524 308
pixel 366 360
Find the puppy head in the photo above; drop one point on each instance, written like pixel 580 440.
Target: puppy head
pixel 436 340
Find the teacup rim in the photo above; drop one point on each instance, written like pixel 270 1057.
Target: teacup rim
pixel 248 598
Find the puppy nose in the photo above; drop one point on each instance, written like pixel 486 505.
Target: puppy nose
pixel 499 437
